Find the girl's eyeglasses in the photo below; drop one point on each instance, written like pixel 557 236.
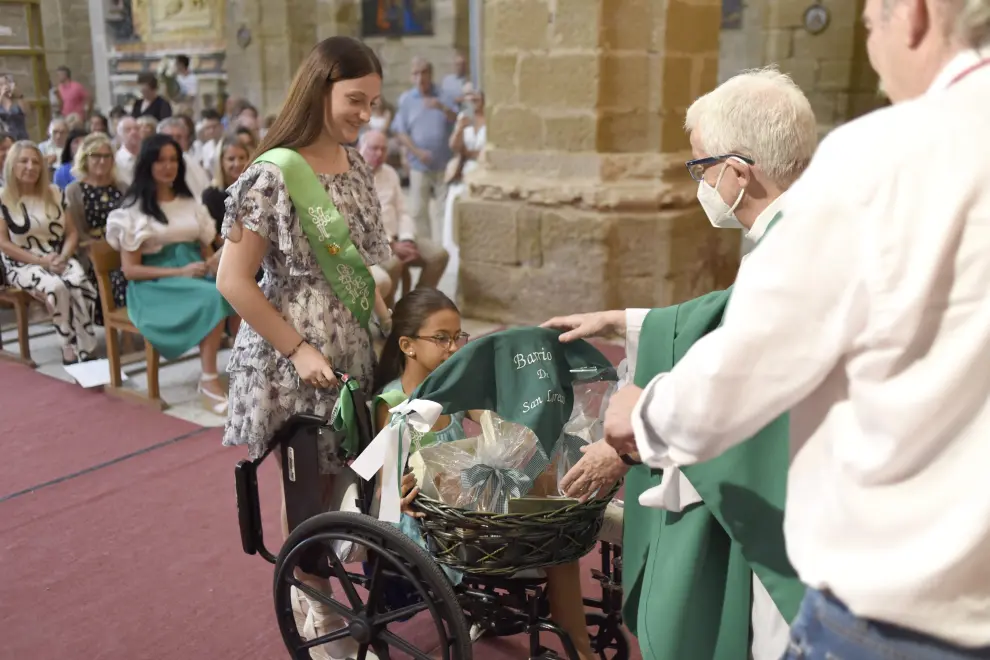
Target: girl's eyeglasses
pixel 443 340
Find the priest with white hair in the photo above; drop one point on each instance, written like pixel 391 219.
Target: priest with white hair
pixel 865 314
pixel 705 574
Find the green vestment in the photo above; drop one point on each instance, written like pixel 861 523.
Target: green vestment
pixel 688 575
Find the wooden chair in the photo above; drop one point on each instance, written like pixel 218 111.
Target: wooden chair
pixel 106 260
pixel 20 301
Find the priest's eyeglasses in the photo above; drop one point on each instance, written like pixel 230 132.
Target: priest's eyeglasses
pixel 443 340
pixel 696 168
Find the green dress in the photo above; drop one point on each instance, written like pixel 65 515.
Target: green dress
pixel 688 575
pixel 173 313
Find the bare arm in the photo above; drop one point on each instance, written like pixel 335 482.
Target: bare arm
pixel 239 263
pixel 71 241
pixel 457 138
pixel 407 142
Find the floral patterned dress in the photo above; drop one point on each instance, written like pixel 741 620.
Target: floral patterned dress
pixel 265 389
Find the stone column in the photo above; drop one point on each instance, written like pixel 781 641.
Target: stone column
pixel 68 38
pixel 582 201
pixel 280 35
pixel 831 67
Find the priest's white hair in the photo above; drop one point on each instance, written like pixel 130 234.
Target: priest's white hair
pixel 761 114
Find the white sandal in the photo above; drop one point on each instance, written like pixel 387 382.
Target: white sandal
pixel 317 625
pixel 220 405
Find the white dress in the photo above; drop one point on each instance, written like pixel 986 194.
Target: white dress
pixel 474 140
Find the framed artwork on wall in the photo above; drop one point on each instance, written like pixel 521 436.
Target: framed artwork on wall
pixel 396 18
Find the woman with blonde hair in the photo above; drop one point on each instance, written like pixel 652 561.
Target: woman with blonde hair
pixel 232 160
pixel 303 320
pixel 37 242
pixel 91 197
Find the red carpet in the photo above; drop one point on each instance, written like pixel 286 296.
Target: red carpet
pixel 136 558
pixel 51 428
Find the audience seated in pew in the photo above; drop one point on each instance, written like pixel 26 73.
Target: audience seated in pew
pixel 95 192
pixel 165 237
pixel 38 242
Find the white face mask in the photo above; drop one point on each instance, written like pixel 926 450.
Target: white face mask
pixel 720 214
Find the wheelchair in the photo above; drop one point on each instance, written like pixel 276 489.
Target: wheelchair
pixel 396 579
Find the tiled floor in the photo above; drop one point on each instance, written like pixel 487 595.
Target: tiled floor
pixel 177 379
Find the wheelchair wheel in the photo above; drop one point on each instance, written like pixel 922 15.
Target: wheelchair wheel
pixel 607 638
pixel 393 563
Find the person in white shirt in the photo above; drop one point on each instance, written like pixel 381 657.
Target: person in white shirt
pixel 197 178
pixel 130 144
pixel 187 80
pixel 209 132
pixel 751 138
pixel 51 149
pixel 866 315
pixel 407 249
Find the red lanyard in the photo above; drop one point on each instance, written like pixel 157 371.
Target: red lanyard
pixel 967 71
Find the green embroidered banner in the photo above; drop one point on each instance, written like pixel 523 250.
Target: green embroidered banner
pixel 525 375
pixel 327 232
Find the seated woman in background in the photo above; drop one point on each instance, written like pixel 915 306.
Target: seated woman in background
pixel 63 175
pixel 37 243
pixel 233 159
pixel 165 238
pixel 94 193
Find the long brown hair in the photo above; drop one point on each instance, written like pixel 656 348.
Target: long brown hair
pixel 411 313
pixel 300 121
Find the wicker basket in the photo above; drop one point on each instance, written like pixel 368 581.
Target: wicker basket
pixel 502 544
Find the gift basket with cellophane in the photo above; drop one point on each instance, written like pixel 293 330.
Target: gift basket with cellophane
pixel 492 502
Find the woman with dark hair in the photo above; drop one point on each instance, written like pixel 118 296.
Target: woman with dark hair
pixel 307 212
pixel 63 175
pixel 165 238
pixel 150 104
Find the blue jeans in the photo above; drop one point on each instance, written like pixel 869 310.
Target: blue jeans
pixel 825 630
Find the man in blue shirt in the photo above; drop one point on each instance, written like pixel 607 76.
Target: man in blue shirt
pixel 422 125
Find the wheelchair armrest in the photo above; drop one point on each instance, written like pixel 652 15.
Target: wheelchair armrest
pixel 292 426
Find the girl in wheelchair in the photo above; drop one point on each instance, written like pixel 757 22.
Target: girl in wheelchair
pixel 426 331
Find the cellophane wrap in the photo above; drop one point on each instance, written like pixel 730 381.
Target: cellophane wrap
pixel 483 472
pixel 585 426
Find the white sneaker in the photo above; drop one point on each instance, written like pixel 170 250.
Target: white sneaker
pixel 342 649
pixel 477 632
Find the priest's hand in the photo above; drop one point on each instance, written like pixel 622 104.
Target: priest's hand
pixel 618 419
pixel 595 474
pixel 594 324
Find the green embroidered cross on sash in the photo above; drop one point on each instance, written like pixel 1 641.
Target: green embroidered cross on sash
pixel 327 232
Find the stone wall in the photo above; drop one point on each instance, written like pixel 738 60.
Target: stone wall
pixel 22 57
pixel 582 201
pixel 282 34
pixel 831 67
pixel 67 38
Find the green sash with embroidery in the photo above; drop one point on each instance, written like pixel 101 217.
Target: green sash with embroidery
pixel 327 232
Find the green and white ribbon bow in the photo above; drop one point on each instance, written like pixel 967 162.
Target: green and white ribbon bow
pixel 503 483
pixel 390 449
pixel 342 419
